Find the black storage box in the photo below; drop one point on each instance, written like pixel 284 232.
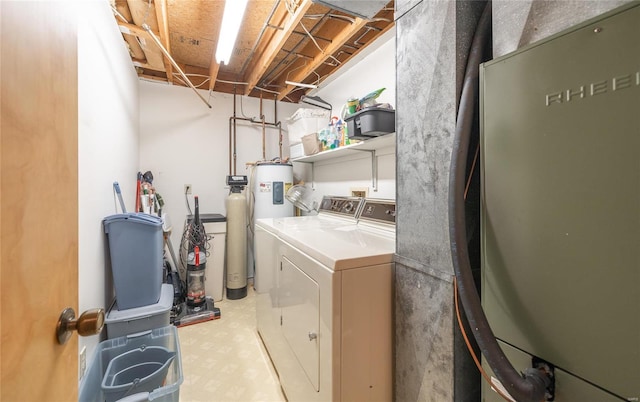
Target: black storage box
pixel 371 122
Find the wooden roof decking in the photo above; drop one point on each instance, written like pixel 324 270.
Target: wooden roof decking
pixel 279 40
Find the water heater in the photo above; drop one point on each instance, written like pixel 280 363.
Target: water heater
pixel 561 207
pixel 269 184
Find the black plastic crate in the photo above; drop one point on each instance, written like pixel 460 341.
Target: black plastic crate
pixel 371 122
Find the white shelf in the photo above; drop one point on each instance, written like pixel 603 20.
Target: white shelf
pixel 372 144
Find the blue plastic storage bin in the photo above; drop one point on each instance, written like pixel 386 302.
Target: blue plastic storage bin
pixel 125 356
pixel 135 246
pixel 124 322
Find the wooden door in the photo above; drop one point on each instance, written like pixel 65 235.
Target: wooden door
pixel 38 199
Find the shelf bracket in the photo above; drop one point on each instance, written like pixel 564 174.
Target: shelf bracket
pixel 374 167
pixel 313 178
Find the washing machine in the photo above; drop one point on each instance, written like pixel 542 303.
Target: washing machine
pixel 324 299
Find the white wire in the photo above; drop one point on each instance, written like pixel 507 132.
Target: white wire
pixel 232 82
pixel 178 77
pixel 312 38
pixel 266 90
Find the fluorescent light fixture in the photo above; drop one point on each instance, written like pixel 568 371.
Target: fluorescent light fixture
pixel 231 21
pixel 301 84
pixel 366 9
pixel 316 101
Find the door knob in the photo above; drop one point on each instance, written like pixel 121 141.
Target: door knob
pixel 89 323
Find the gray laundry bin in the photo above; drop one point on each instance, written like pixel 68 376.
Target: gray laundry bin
pixel 136 245
pixel 138 370
pixel 143 366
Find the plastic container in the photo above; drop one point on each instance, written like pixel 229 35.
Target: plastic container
pixel 371 122
pixel 306 121
pixel 296 151
pixel 139 319
pixel 139 370
pixel 107 351
pixel 135 247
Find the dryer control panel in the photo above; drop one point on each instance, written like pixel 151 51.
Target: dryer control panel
pixel 381 211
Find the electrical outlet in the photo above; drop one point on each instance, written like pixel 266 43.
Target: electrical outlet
pixel 187 188
pixel 83 362
pixel 359 191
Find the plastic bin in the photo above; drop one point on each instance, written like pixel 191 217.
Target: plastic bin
pixel 296 151
pixel 139 370
pixel 306 121
pixel 91 389
pixel 134 320
pixel 371 122
pixel 135 247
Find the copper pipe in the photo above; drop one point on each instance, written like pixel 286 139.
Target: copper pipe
pixel 235 131
pixel 280 139
pixel 275 118
pixel 264 135
pixel 230 172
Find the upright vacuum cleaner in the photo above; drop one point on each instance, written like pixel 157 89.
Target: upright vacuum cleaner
pixel 197 307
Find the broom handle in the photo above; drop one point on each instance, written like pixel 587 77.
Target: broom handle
pixel 116 187
pixel 138 184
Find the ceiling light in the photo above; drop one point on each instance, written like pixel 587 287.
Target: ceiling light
pixel 231 21
pixel 316 101
pixel 363 9
pixel 301 84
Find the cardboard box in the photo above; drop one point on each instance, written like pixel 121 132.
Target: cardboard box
pixel 310 144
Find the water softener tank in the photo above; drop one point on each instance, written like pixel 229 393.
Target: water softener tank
pixel 236 239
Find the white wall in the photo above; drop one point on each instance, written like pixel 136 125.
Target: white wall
pixel 371 69
pixel 127 125
pixel 182 141
pixel 107 145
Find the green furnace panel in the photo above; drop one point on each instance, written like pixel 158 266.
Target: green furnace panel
pixel 561 202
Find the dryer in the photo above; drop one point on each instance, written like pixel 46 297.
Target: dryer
pixel 333 211
pixel 324 301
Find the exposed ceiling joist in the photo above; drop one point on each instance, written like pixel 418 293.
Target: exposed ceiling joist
pixel 163 33
pixel 152 54
pixel 323 56
pixel 279 40
pixel 260 66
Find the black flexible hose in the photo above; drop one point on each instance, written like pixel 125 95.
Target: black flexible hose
pixel 531 385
